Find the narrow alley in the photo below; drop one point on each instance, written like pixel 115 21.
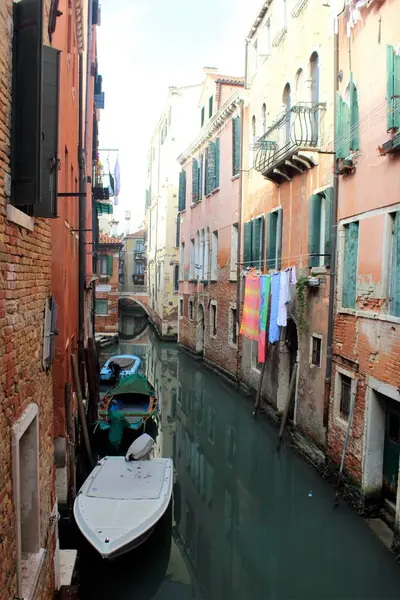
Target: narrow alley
pixel 248 521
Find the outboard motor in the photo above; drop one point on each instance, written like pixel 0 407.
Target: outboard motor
pixel 140 449
pixel 115 369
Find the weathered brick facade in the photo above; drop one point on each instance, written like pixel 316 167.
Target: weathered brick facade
pixel 25 284
pixel 107 288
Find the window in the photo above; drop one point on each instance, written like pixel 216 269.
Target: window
pixel 192 271
pixel 178 231
pixel 319 229
pixel 207 255
pixel 316 346
pixel 234 249
pixel 347 121
pixel 232 325
pixel 255 365
pixel 101 307
pixel 138 268
pixel 345 396
pixel 392 88
pixel 195 180
pixel 202 255
pixel 182 191
pixel 202 115
pixel 182 262
pixel 105 265
pixel 139 246
pixel 191 307
pixel 274 239
pixel 25 466
pixel 253 251
pixel 264 117
pixel 211 182
pixel 181 307
pixel 176 278
pixel 210 106
pixel 213 319
pixel 350 265
pixel 214 256
pixel 394 300
pixel 235 146
pixel 197 256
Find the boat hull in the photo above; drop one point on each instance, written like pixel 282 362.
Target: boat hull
pixel 121 502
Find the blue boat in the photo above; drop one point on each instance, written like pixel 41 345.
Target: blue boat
pixel 119 367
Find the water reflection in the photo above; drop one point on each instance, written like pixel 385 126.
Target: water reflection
pixel 248 523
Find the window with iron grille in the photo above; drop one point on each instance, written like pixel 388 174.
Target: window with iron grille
pixel 316 351
pixel 191 310
pixel 345 396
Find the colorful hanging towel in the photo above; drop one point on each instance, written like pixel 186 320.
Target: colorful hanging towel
pixel 249 325
pixel 265 286
pixel 274 330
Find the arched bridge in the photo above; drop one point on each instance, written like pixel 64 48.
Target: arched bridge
pixel 137 294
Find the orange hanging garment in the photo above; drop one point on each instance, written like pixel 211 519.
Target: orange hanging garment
pixel 249 324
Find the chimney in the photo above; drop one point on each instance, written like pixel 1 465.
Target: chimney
pixel 210 70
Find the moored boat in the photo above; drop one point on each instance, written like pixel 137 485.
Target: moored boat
pixel 123 499
pixel 118 367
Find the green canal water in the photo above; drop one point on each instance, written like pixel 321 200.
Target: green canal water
pixel 247 522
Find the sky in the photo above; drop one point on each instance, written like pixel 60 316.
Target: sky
pixel 145 46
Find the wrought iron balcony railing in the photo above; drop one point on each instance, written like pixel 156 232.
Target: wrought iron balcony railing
pixel 278 152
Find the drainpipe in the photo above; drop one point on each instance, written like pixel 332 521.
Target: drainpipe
pixel 240 201
pixel 82 227
pixel 332 287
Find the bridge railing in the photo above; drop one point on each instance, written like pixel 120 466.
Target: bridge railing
pixel 132 289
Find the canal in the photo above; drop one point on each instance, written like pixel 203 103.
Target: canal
pixel 248 522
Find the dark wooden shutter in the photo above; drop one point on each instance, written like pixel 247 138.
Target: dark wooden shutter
pixel 109 265
pixel 182 191
pixel 272 220
pixel 328 226
pixel 178 231
pixel 314 229
pixel 195 180
pixel 354 117
pixel 257 242
pixel 47 206
pixel 235 146
pixel 27 94
pixel 339 129
pixel 200 176
pixel 350 265
pixel 211 166
pixel 217 162
pixel 247 230
pixel 389 87
pixel 394 301
pixel 279 229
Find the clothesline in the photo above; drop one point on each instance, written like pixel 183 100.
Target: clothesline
pixel 266 295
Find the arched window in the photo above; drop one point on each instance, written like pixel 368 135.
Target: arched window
pixel 300 86
pixel 314 77
pixel 287 104
pixel 264 117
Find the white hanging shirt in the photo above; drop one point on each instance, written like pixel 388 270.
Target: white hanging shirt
pixel 283 298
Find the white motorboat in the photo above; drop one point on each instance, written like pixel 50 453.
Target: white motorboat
pixel 123 499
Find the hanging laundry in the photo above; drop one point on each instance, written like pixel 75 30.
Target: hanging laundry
pixel 249 325
pixel 293 276
pixel 283 298
pixel 265 287
pixel 274 330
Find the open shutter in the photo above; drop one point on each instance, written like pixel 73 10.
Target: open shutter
pixel 350 265
pixel 257 242
pixel 200 177
pixel 27 103
pixel 314 229
pixel 389 87
pixel 271 240
pixel 328 226
pixel 279 227
pixel 217 160
pixel 339 125
pixel 211 167
pixel 396 86
pixel 47 207
pixel 109 265
pixel 394 306
pixel 235 146
pixel 345 130
pixel 247 244
pixel 354 116
pixel 182 190
pixel 206 176
pixel 195 180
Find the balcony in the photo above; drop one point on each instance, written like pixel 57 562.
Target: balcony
pixel 284 150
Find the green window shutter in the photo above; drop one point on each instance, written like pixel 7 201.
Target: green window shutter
pixel 109 265
pixel 272 221
pixel 210 106
pixel 200 184
pixel 235 146
pixel 195 180
pixel 394 302
pixel 328 226
pixel 339 131
pixel 217 161
pixel 207 176
pixel 279 228
pixel 255 243
pixel 350 265
pixel 389 87
pixel 182 191
pixel 314 229
pixel 396 85
pixel 354 117
pixel 345 130
pixel 211 167
pixel 247 244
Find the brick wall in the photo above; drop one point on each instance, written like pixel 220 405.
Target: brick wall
pixel 25 283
